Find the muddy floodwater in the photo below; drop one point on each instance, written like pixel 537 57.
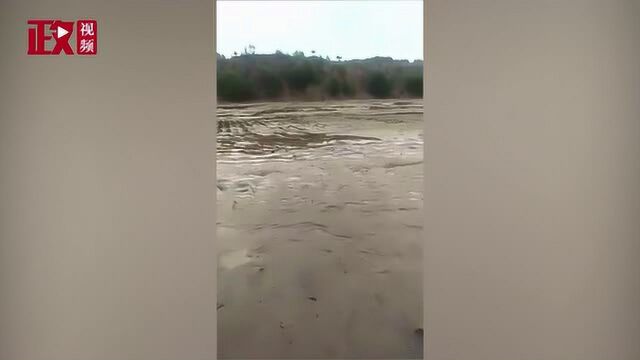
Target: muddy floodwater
pixel 320 230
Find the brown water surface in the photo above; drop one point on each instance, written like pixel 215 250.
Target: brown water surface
pixel 320 230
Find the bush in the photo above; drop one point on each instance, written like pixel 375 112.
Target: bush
pixel 378 85
pixel 413 86
pixel 233 87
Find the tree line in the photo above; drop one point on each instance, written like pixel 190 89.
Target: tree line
pixel 272 77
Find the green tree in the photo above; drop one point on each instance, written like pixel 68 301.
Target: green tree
pixel 300 76
pixel 413 86
pixel 346 89
pixel 270 84
pixel 378 85
pixel 246 77
pixel 234 87
pixel 333 87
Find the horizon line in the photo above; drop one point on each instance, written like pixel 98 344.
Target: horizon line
pixel 306 55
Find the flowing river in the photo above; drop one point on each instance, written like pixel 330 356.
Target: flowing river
pixel 319 229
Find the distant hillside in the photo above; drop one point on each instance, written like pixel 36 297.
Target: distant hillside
pixel 273 77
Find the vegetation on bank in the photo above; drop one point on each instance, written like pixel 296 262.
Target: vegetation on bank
pixel 271 77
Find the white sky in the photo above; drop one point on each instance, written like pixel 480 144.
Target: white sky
pixel 351 29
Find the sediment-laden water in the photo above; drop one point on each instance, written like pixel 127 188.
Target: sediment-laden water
pixel 320 230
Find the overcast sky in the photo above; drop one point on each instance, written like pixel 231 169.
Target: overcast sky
pixel 351 29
